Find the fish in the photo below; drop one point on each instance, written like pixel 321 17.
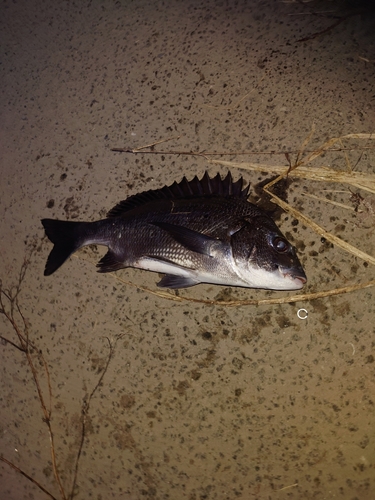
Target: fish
pixel 198 231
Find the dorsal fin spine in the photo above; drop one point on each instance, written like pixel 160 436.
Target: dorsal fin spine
pixel 206 186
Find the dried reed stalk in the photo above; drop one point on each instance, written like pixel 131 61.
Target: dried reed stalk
pixel 10 308
pixel 355 179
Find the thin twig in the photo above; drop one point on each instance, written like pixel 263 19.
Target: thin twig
pixel 85 410
pixel 322 32
pixel 28 477
pixel 326 200
pixel 359 180
pixel 137 150
pixel 27 347
pixel 228 153
pixel 249 302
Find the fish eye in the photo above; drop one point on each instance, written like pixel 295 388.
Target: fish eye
pixel 280 245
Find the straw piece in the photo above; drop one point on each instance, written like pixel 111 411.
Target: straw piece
pixel 359 180
pixel 249 302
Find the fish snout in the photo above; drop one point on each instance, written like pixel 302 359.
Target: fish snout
pixel 297 276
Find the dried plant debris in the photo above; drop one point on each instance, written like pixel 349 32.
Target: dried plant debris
pixel 11 309
pixel 364 207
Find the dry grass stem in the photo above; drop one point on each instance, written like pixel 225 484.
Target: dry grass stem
pixel 288 487
pixel 331 202
pixel 302 170
pixel 357 180
pixel 354 179
pixel 153 144
pixel 20 471
pixel 206 154
pixel 249 302
pixel 10 308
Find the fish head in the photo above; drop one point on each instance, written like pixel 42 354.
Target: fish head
pixel 264 258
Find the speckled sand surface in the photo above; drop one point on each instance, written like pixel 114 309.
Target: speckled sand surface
pixel 198 401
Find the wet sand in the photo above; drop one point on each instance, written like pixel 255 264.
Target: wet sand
pixel 184 399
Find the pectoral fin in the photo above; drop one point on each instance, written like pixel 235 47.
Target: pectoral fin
pixel 190 239
pixel 174 282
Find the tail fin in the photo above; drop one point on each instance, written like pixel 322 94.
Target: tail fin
pixel 67 237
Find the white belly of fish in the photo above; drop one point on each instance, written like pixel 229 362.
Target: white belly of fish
pixel 192 276
pixel 251 278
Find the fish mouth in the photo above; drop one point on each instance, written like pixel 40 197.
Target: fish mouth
pixel 300 281
pixel 298 277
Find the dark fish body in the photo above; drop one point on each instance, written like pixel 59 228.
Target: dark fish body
pixel 198 231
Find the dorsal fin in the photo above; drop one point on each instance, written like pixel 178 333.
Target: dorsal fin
pixel 204 187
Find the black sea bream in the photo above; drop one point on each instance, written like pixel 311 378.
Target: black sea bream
pixel 198 231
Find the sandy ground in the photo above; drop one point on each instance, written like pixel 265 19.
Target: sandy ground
pixel 183 399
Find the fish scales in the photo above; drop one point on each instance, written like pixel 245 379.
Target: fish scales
pixel 198 231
